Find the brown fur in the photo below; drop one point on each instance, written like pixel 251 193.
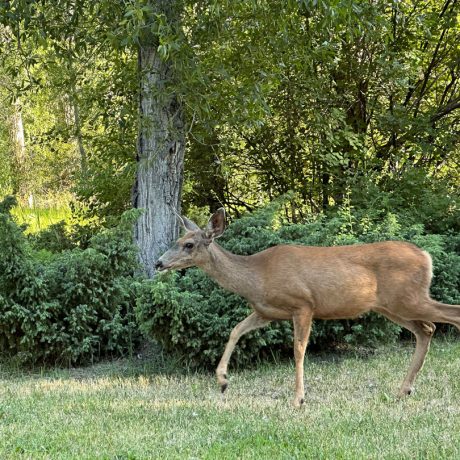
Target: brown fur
pixel 301 283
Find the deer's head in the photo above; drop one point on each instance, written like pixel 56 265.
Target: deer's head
pixel 192 249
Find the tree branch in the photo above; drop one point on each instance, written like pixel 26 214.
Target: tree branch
pixel 443 111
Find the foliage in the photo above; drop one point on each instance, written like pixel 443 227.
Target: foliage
pixel 55 238
pixel 354 106
pixel 190 315
pixel 321 98
pixel 72 307
pixel 348 94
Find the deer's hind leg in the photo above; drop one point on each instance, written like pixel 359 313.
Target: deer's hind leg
pixel 423 331
pixel 302 327
pixel 253 321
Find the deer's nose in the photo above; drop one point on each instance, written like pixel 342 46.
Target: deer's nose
pixel 159 264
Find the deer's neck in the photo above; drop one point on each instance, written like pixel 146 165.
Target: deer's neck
pixel 232 272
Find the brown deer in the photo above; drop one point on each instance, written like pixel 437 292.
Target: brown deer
pixel 301 283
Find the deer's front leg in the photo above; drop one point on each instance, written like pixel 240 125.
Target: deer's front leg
pixel 302 326
pixel 253 321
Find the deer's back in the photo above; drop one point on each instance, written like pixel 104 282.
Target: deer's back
pixel 336 279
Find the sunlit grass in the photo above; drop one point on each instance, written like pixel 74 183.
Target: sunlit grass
pixel 38 219
pixel 132 409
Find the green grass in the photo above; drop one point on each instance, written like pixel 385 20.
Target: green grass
pixel 146 409
pixel 40 218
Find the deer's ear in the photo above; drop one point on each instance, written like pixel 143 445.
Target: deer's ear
pixel 216 224
pixel 189 225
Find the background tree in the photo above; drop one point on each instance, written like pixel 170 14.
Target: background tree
pixel 337 101
pixel 161 144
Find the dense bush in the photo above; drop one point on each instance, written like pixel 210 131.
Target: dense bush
pixel 190 314
pixel 75 305
pixel 72 307
pixel 55 238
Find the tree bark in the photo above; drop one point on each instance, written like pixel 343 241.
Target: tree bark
pixel 77 129
pixel 20 186
pixel 160 159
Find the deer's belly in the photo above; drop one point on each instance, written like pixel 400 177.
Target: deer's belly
pixel 345 304
pixel 273 313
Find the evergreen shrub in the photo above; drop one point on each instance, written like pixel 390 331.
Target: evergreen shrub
pixel 72 307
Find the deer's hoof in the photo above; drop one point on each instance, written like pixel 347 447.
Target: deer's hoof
pixel 405 391
pixel 223 382
pixel 298 402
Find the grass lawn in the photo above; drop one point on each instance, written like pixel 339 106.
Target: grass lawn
pixel 40 218
pixel 144 409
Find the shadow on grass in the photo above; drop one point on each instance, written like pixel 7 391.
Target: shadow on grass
pixel 153 361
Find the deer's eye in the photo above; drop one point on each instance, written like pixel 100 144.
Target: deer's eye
pixel 188 245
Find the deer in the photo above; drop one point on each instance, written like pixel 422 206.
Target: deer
pixel 303 283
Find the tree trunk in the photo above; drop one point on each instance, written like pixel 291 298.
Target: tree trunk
pixel 19 162
pixel 160 159
pixel 77 129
